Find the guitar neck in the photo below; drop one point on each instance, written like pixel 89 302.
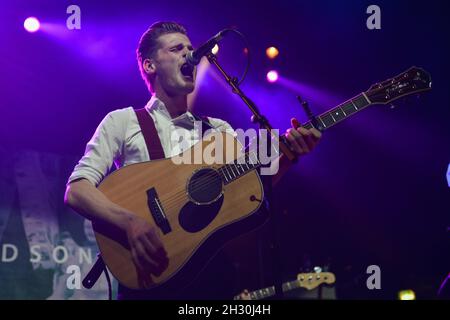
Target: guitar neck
pixel 250 161
pixel 270 291
pixel 413 81
pixel 341 112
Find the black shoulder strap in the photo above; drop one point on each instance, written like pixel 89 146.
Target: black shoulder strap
pixel 205 121
pixel 154 147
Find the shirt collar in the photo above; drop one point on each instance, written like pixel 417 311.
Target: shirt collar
pixel 156 105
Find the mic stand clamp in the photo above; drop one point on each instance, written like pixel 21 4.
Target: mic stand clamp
pixel 312 118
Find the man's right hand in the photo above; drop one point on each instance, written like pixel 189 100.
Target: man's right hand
pixel 148 253
pixel 147 249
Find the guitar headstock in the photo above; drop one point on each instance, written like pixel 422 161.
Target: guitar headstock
pixel 412 81
pixel 312 280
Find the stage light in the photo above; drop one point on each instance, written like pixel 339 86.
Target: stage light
pixel 272 76
pixel 272 52
pixel 215 49
pixel 31 24
pixel 406 295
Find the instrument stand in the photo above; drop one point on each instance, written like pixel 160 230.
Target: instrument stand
pixel 257 117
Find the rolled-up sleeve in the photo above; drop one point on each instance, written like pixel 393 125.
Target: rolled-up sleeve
pixel 103 148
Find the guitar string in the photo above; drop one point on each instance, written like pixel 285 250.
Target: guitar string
pixel 172 201
pixel 182 192
pixel 224 169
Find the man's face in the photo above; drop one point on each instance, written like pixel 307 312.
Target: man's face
pixel 169 60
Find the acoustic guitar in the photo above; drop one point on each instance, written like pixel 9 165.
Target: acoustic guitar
pixel 198 207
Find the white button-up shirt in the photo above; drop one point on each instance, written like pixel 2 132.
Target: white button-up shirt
pixel 119 140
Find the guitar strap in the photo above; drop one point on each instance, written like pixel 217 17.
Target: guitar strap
pixel 205 122
pixel 154 147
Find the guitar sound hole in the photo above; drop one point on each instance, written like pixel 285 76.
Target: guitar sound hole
pixel 205 186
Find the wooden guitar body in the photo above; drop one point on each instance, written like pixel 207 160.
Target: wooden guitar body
pixel 195 212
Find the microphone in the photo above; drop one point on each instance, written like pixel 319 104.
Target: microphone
pixel 193 57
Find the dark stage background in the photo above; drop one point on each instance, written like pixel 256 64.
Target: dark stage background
pixel 374 192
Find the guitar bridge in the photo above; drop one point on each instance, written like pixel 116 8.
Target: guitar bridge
pixel 157 211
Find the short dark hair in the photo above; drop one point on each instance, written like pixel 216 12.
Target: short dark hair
pixel 148 44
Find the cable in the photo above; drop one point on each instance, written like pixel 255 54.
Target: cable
pixel 108 280
pixel 245 41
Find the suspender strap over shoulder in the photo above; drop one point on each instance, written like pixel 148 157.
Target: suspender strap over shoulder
pixel 154 147
pixel 205 122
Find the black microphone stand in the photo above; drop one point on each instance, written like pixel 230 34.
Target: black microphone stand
pixel 257 117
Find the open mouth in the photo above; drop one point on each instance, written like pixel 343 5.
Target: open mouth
pixel 187 71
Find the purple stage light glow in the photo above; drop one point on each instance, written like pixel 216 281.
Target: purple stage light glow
pixel 31 24
pixel 272 76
